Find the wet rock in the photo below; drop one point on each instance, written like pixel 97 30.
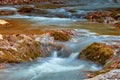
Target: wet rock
pixel 47 49
pixel 106 16
pixel 58 2
pixel 63 15
pixel 1 36
pixel 7 12
pixel 117 25
pixel 18 48
pixel 113 64
pixel 60 36
pixel 117 17
pixel 97 52
pixel 4 23
pixel 72 10
pixel 111 75
pixel 40 12
pixel 114 13
pixel 102 16
pixel 47 6
pixel 26 9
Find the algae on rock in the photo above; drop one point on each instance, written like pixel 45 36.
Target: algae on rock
pixel 97 52
pixel 60 36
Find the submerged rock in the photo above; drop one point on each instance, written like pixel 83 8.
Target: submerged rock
pixel 26 9
pixel 7 12
pixel 47 6
pixel 97 52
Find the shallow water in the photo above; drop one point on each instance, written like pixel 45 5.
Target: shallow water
pixel 50 68
pixel 59 67
pixel 56 67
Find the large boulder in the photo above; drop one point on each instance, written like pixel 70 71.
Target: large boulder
pixel 97 52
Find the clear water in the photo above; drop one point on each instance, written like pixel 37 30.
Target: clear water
pixel 57 67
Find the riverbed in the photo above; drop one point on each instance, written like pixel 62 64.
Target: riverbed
pixel 57 67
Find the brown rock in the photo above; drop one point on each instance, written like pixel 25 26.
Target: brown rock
pixel 117 25
pixel 97 52
pixel 7 12
pixel 26 9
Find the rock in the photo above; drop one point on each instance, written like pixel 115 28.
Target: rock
pixel 58 2
pixel 97 52
pixel 26 9
pixel 47 6
pixel 111 75
pixel 117 17
pixel 117 25
pixel 1 36
pixel 4 23
pixel 63 15
pixel 60 36
pixel 18 48
pixel 40 12
pixel 102 16
pixel 113 64
pixel 7 12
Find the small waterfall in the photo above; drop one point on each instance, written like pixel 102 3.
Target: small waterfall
pixel 74 55
pixel 54 54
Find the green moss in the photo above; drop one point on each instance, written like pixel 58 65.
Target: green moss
pixel 97 52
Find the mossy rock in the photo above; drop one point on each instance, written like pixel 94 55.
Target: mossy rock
pixel 26 9
pixel 25 52
pixel 60 36
pixel 97 52
pixel 18 48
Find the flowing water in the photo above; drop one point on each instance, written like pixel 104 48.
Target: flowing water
pixel 56 67
pixel 50 68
